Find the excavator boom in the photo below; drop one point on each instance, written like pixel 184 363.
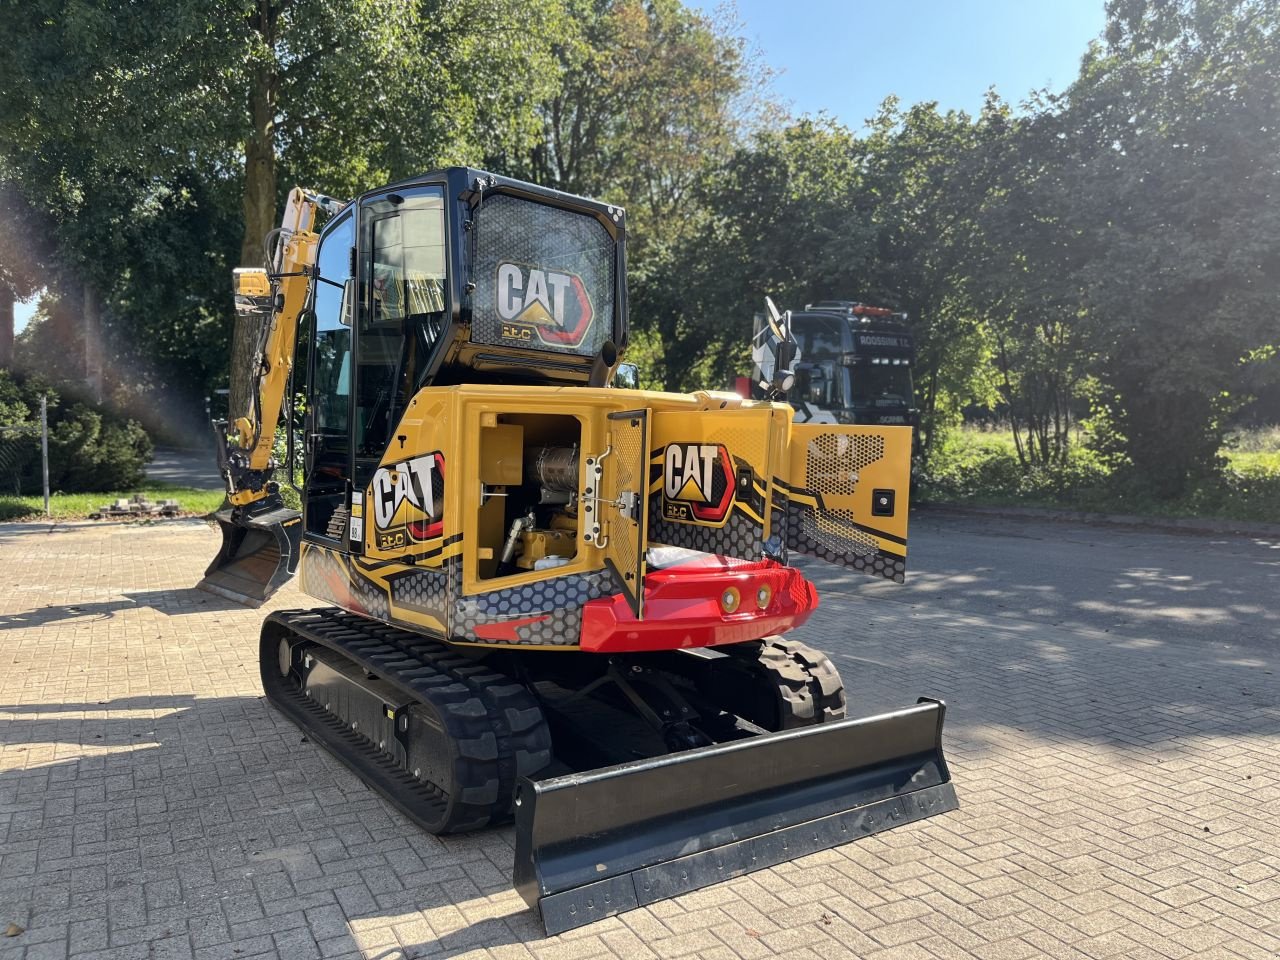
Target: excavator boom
pixel 261 536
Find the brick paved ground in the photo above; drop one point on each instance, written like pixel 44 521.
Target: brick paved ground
pixel 1120 789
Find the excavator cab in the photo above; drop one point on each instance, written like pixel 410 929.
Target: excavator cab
pixel 453 277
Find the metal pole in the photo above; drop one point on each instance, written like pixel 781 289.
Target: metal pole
pixel 44 448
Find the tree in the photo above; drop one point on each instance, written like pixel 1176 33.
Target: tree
pixel 1023 277
pixel 124 123
pixel 779 218
pixel 649 95
pixel 1171 141
pixel 924 184
pixel 23 250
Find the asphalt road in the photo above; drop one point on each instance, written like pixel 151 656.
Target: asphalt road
pixel 1175 588
pixel 195 468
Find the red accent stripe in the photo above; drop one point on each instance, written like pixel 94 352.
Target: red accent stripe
pixel 506 630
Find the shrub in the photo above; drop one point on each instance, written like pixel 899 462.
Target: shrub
pixel 975 465
pixel 90 449
pixel 964 464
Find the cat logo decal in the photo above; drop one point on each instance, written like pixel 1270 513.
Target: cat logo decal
pixel 697 482
pixel 408 501
pixel 549 305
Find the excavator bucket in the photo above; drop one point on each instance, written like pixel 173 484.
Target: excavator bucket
pixel 593 844
pixel 259 553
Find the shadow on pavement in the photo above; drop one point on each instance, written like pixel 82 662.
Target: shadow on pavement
pixel 213 826
pixel 215 823
pixel 1181 587
pixel 173 603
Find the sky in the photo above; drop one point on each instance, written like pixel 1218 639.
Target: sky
pixel 22 313
pixel 845 56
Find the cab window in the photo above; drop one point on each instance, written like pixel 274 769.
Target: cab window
pixel 824 340
pixel 403 311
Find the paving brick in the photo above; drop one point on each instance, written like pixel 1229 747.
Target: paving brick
pixel 151 805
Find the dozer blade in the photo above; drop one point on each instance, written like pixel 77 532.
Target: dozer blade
pixel 259 553
pixel 590 845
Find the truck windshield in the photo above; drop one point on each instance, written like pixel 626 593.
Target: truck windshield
pixel 881 386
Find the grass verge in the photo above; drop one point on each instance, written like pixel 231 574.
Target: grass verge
pixel 77 506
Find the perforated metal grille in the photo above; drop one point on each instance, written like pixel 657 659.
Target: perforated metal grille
pixel 835 530
pixel 828 538
pixel 629 470
pixel 568 307
pixel 832 461
pixel 748 446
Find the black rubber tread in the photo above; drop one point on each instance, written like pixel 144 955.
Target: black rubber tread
pixel 808 685
pixel 824 679
pixel 494 723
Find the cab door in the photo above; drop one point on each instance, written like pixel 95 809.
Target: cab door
pixel 401 319
pixel 327 439
pixel 625 506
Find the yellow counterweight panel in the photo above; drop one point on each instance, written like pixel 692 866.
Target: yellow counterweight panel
pixel 847 490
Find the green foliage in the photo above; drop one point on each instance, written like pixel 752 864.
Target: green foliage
pixel 650 96
pixel 782 218
pixel 1265 441
pixel 971 466
pixel 75 506
pixel 88 448
pixel 1171 165
pixel 151 142
pixel 1098 269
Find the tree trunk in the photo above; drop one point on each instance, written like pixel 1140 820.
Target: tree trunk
pixel 92 344
pixel 259 214
pixel 6 327
pixel 260 167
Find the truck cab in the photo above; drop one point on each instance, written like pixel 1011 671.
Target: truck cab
pixel 854 365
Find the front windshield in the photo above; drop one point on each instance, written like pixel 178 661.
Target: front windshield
pixel 878 386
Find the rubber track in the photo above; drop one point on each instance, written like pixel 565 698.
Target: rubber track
pixel 809 686
pixel 495 724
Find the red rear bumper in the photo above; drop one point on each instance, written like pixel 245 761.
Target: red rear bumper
pixel 682 607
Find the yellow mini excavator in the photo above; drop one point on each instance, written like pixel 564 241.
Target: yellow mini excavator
pixel 549 595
